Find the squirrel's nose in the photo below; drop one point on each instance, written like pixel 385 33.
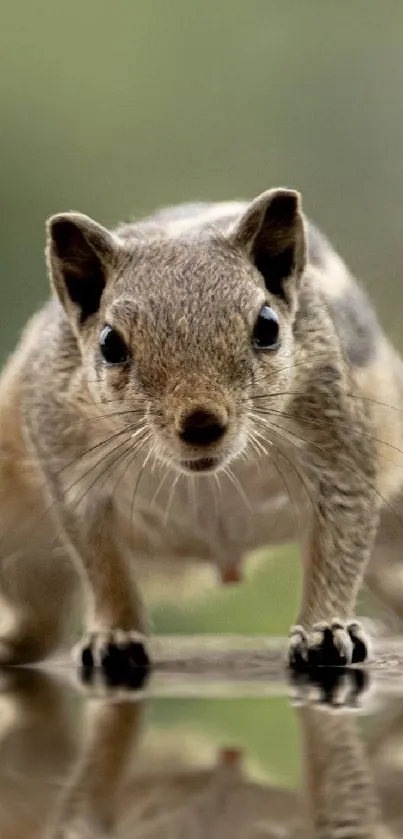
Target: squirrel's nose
pixel 202 427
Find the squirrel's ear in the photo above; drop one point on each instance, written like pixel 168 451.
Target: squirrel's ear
pixel 79 253
pixel 272 233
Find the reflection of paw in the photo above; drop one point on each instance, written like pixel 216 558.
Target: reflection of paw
pixel 334 644
pixel 335 687
pixel 122 657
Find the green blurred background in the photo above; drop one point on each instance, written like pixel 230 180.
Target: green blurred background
pixel 117 108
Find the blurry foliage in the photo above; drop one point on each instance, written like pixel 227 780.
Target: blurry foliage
pixel 265 729
pixel 266 601
pixel 116 108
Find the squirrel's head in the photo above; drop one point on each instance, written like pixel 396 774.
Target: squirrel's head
pixel 179 335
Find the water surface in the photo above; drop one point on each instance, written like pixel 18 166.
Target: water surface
pixel 201 756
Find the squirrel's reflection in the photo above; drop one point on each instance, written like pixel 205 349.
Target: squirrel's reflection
pixel 340 789
pixel 73 769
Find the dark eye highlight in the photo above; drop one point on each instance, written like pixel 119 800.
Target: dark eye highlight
pixel 112 346
pixel 266 331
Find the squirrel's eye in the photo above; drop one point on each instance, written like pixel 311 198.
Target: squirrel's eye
pixel 112 346
pixel 265 333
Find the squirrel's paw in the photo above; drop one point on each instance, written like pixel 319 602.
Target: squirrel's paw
pixel 336 644
pixel 122 657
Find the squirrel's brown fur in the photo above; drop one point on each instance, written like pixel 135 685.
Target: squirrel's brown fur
pixel 96 461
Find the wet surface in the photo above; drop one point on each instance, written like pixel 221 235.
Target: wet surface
pixel 210 746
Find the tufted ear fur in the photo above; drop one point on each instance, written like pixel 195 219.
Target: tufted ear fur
pixel 272 232
pixel 79 253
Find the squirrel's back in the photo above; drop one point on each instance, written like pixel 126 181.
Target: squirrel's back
pixel 351 310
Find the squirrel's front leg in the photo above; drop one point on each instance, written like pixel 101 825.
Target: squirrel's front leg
pixel 115 632
pixel 343 518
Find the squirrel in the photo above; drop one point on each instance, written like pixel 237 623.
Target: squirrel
pixel 202 381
